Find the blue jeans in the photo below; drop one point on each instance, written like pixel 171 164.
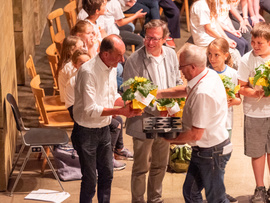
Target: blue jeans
pixel 206 170
pixel 93 146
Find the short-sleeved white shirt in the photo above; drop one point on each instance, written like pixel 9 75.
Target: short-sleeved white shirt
pixel 124 7
pixel 252 106
pixel 206 107
pixel 69 91
pixel 199 17
pixel 63 76
pixel 231 73
pixel 114 12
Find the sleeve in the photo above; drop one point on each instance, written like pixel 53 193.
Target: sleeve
pixel 243 70
pixel 203 13
pixel 88 85
pixel 117 11
pixel 202 104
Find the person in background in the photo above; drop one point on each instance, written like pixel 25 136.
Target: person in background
pixel 256 108
pixel 65 67
pixel 95 97
pixel 203 121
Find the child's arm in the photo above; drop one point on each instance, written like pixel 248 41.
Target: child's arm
pixel 248 91
pixel 236 101
pixel 125 21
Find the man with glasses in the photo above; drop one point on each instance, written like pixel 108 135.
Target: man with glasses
pixel 159 64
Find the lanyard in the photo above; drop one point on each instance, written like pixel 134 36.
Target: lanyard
pixel 197 84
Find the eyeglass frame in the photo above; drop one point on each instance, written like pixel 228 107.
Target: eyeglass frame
pixel 155 40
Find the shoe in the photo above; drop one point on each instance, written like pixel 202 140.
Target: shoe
pixel 170 43
pixel 268 195
pixel 117 165
pixel 231 199
pixel 123 154
pixel 259 195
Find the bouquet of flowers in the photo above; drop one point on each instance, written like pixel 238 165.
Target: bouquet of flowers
pixel 231 89
pixel 142 92
pixel 173 106
pixel 261 80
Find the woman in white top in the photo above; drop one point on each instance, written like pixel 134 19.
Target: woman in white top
pixel 65 67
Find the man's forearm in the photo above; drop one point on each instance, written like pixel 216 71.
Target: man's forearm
pixel 174 92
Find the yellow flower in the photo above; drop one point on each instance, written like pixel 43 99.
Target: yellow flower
pixel 262 81
pixel 236 89
pixel 137 105
pixel 221 76
pixel 140 79
pixel 161 108
pixel 268 63
pixel 251 79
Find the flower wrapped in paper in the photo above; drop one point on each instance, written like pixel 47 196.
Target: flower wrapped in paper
pixel 230 87
pixel 142 92
pixel 174 106
pixel 261 80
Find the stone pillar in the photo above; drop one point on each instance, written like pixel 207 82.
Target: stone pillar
pixel 8 84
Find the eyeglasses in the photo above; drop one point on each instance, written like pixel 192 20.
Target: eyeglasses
pixel 180 67
pixel 147 38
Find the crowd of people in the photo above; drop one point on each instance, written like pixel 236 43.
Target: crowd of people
pixel 93 64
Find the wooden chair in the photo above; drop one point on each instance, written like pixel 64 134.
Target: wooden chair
pixel 51 103
pixel 55 16
pixel 185 7
pixel 57 119
pixel 53 58
pixel 31 69
pixel 58 40
pixel 70 11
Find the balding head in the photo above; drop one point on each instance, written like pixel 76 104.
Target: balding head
pixel 112 50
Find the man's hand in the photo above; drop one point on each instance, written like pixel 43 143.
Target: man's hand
pixel 129 112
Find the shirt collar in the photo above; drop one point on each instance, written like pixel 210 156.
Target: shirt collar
pixel 193 81
pixel 148 55
pixel 102 65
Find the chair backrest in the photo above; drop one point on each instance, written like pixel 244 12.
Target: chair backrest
pixel 70 11
pixel 58 40
pixel 31 67
pixel 16 113
pixel 53 58
pixel 55 15
pixel 39 95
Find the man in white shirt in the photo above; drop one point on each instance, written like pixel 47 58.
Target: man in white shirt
pixel 95 98
pixel 160 65
pixel 204 128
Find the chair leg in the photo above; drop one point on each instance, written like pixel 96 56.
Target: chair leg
pixel 17 159
pixel 51 166
pixel 45 160
pixel 21 170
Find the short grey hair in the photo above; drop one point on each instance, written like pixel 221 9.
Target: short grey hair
pixel 195 55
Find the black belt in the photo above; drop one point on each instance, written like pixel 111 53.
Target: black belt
pixel 216 147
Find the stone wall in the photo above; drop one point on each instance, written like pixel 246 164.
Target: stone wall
pixel 29 23
pixel 8 83
pixel 22 25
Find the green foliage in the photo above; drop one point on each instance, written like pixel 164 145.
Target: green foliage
pixel 263 71
pixel 169 102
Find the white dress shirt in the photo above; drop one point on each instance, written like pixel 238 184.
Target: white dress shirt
pixel 206 107
pixel 95 89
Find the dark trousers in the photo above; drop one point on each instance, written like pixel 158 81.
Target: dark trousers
pixel 93 146
pixel 265 4
pixel 242 44
pixel 206 170
pixel 117 133
pixel 130 38
pixel 149 6
pixel 171 11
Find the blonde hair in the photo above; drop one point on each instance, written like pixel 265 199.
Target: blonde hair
pixel 80 27
pixel 78 53
pixel 224 47
pixel 69 45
